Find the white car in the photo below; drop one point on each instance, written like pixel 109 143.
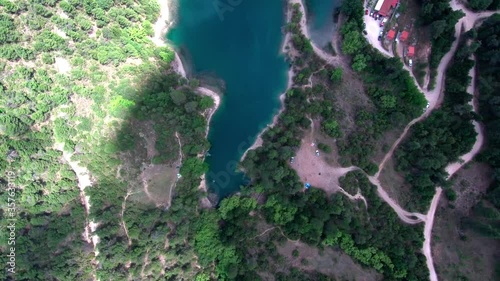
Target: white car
pixel 317 152
pixel 410 63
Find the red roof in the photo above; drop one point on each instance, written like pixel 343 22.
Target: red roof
pixel 391 34
pixel 386 7
pixel 411 51
pixel 404 36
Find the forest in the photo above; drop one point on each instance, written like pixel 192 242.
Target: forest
pixel 486 214
pixel 82 81
pixel 441 138
pixel 481 5
pixel 396 103
pixel 438 15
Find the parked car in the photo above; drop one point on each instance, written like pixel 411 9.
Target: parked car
pixel 371 14
pixel 292 160
pixel 382 24
pixel 410 63
pixel 366 12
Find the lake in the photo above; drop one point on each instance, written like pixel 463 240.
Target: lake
pixel 239 42
pixel 320 20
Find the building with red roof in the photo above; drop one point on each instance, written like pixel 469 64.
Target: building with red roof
pixel 404 36
pixel 391 34
pixel 411 51
pixel 385 6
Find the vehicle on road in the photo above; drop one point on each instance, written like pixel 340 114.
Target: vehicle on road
pixel 410 63
pixel 317 152
pixel 366 12
pixel 292 160
pixel 371 14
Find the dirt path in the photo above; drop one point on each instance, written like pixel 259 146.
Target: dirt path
pixel 84 181
pixel 160 28
pixel 357 196
pixel 124 225
pixel 407 217
pixel 145 263
pixel 435 98
pixel 429 222
pixel 464 159
pixel 177 164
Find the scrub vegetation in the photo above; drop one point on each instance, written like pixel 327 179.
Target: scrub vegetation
pixel 80 79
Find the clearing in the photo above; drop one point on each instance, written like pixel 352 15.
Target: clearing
pixel 461 253
pixel 331 262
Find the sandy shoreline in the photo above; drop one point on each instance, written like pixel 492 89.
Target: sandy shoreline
pixel 160 28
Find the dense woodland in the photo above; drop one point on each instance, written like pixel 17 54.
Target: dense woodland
pixel 396 103
pixel 443 137
pixel 480 5
pixel 486 216
pixel 438 15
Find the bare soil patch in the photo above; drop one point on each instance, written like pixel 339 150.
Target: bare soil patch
pixel 315 169
pixel 157 181
pixel 470 183
pixel 461 254
pixel 394 184
pixel 62 65
pixel 330 262
pixel 350 97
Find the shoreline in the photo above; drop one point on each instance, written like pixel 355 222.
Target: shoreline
pixel 258 141
pixel 161 27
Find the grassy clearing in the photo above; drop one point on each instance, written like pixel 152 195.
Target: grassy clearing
pixel 459 253
pixel 395 185
pixel 330 262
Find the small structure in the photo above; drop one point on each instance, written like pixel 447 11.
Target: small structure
pixel 391 34
pixel 384 6
pixel 404 36
pixel 411 51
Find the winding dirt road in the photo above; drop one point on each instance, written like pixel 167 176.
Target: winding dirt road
pixel 434 98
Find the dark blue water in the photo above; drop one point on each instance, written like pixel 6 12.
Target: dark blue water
pixel 239 44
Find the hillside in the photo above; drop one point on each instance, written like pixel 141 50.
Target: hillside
pixel 94 124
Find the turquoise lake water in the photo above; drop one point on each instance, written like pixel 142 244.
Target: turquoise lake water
pixel 240 45
pixel 320 19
